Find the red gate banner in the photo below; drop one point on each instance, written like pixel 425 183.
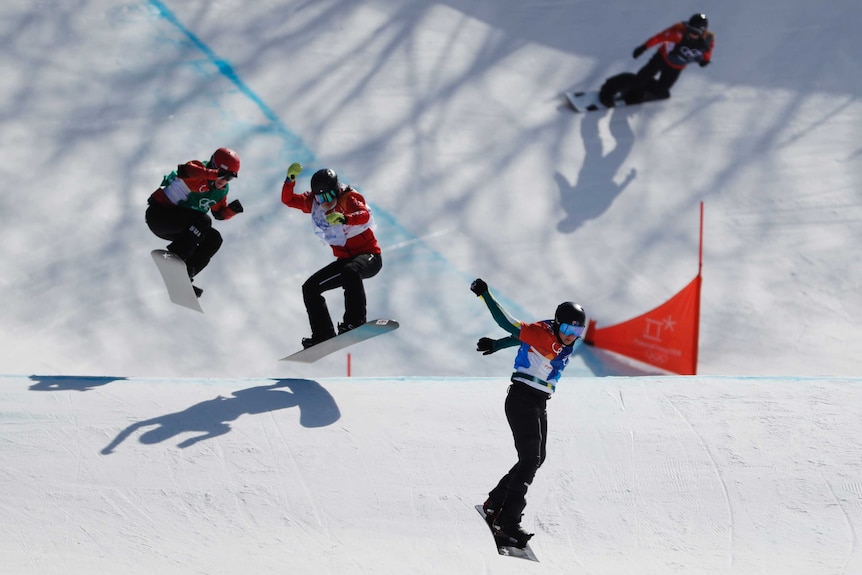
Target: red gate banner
pixel 666 337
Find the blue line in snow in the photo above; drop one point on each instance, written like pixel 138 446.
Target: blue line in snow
pixel 395 233
pixel 226 70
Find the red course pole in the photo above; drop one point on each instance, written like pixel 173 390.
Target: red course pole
pixel 700 249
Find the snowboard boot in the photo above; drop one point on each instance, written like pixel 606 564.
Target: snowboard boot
pixel 491 510
pixel 511 533
pixel 345 327
pixel 183 247
pixel 606 98
pixel 314 340
pixel 198 291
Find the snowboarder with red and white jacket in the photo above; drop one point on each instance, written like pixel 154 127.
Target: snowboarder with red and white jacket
pixel 342 219
pixel 678 46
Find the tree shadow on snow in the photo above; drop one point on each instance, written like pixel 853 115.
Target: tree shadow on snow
pixel 211 418
pixel 596 189
pixel 69 382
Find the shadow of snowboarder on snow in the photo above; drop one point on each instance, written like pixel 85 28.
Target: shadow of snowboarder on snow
pixel 69 382
pixel 211 418
pixel 595 189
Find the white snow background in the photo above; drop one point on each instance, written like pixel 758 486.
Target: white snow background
pixel 140 437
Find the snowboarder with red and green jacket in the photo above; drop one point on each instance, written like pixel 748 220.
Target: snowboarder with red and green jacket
pixel 178 209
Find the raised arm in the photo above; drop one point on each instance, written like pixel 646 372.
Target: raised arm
pixel 501 316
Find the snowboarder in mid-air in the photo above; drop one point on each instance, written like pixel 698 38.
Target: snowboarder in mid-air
pixel 177 210
pixel 679 45
pixel 544 352
pixel 342 219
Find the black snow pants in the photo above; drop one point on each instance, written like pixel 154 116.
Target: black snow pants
pixel 343 272
pixel 526 411
pixel 645 80
pixel 191 233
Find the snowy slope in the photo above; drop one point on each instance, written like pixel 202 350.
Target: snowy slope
pixel 448 117
pixel 644 475
pixel 139 437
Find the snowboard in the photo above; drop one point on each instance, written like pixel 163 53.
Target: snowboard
pixel 589 101
pixel 508 550
pixel 365 331
pixel 176 276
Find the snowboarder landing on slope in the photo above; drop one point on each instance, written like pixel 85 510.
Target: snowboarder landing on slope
pixel 679 45
pixel 342 219
pixel 545 349
pixel 177 210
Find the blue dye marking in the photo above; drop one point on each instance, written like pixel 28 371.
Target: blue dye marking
pixel 393 232
pixel 225 69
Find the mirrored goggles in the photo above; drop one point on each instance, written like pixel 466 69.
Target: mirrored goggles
pixel 570 329
pixel 326 197
pixel 226 175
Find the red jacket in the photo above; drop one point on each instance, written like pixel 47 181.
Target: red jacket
pixel 192 186
pixel 355 236
pixel 678 50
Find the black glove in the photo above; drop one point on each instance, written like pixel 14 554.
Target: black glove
pixel 704 63
pixel 485 345
pixel 235 206
pixel 638 51
pixel 478 286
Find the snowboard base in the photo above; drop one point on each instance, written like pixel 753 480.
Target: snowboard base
pixel 365 331
pixel 589 101
pixel 508 550
pixel 176 277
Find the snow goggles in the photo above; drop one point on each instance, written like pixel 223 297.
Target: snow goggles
pixel 571 329
pixel 226 175
pixel 326 197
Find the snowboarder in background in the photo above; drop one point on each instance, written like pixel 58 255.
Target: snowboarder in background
pixel 545 349
pixel 679 45
pixel 342 219
pixel 177 211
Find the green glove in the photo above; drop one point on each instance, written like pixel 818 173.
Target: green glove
pixel 335 218
pixel 294 170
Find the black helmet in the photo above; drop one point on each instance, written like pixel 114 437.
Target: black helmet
pixel 698 22
pixel 324 181
pixel 570 313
